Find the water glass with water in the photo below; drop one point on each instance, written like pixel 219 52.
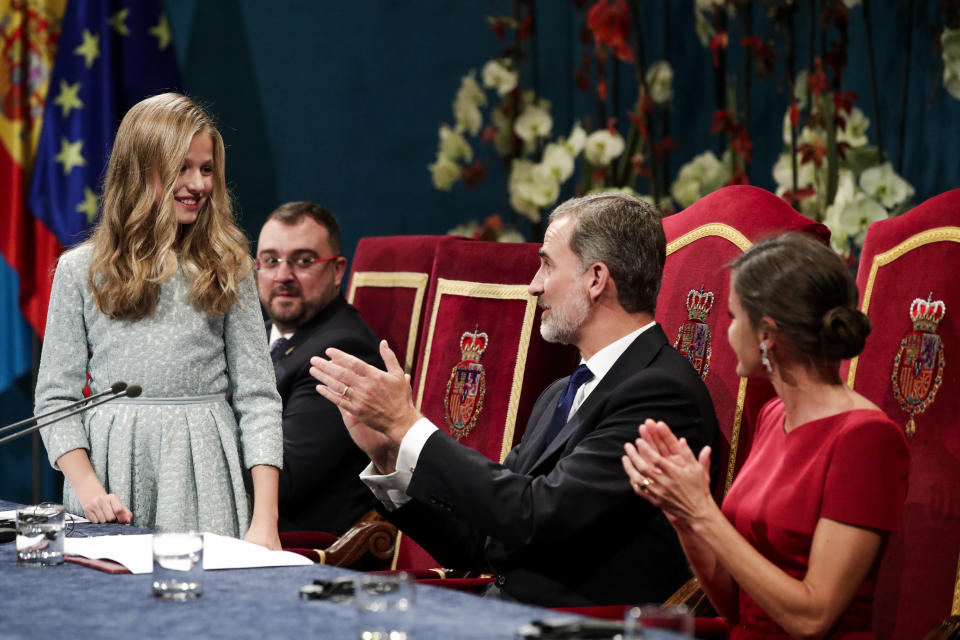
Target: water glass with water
pixel 654 622
pixel 40 535
pixel 177 565
pixel 384 605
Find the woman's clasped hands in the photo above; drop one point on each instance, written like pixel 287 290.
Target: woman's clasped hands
pixel 664 471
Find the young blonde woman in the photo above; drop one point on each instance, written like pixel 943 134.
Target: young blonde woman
pixel 795 550
pixel 163 295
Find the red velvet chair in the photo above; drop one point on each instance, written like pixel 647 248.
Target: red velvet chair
pixel 692 306
pixel 909 367
pixel 388 285
pixel 369 544
pixel 481 362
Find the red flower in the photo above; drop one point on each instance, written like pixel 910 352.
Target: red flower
pixel 718 44
pixel 740 177
pixel 488 134
pixel 843 101
pixel 723 122
pixel 474 174
pixel 741 144
pixel 581 80
pixel 498 27
pixel 762 53
pixel 610 24
pixel 794 114
pixel 601 88
pixel 813 152
pixel 818 79
pixel 662 148
pixel 523 31
pixel 801 194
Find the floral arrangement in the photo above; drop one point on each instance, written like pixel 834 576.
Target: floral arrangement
pixel 827 170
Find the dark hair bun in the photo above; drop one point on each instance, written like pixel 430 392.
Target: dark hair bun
pixel 843 333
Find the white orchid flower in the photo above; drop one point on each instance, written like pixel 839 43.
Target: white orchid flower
pixel 444 172
pixel 470 90
pixel 533 123
pixel 541 188
pixel 454 146
pixel 660 81
pixel 511 235
pixel 498 76
pixel 786 127
pixel 858 214
pixel 702 175
pixel 577 139
pixel 783 174
pixel 468 116
pixel 602 146
pixel 800 82
pixel 882 182
pixel 521 172
pixel 558 159
pixel 950 45
pixel 855 132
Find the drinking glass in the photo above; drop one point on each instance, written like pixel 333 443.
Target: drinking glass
pixel 384 605
pixel 177 565
pixel 653 622
pixel 40 535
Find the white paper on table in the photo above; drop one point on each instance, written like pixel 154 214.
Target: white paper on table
pixel 135 552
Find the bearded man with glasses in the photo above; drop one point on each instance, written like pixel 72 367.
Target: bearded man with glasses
pixel 299 271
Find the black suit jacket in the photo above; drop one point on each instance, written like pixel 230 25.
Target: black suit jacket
pixel 319 485
pixel 561 526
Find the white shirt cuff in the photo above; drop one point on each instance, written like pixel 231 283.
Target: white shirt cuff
pixel 391 489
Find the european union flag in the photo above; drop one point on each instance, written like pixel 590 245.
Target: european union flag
pixel 111 55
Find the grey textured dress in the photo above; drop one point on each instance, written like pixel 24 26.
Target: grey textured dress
pixel 175 456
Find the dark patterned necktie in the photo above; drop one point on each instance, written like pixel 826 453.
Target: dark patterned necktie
pixel 277 348
pixel 562 412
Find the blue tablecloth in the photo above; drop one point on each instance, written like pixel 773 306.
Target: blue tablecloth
pixel 71 601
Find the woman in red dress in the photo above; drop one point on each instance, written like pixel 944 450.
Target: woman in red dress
pixel 795 550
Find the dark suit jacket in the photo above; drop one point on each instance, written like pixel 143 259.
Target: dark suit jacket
pixel 319 485
pixel 561 526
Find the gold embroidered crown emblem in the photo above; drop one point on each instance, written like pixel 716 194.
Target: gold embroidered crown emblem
pixel 466 386
pixel 472 345
pixel 699 304
pixel 927 314
pixel 919 363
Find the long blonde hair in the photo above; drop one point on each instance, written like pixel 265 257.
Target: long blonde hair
pixel 136 242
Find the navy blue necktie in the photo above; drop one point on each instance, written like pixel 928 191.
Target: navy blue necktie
pixel 277 348
pixel 580 375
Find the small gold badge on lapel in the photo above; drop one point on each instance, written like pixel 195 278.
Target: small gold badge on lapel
pixel 921 352
pixel 465 388
pixel 693 338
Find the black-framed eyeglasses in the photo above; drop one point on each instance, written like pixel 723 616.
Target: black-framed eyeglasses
pixel 300 265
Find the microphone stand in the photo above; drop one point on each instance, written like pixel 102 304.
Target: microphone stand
pixel 131 392
pixel 116 387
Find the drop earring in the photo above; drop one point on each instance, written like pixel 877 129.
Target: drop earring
pixel 765 357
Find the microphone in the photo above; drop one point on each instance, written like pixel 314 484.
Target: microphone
pixel 131 391
pixel 115 388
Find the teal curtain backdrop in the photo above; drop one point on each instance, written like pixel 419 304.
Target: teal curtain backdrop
pixel 340 102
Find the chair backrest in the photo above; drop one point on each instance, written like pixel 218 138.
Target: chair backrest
pixel 909 367
pixel 482 363
pixel 388 284
pixel 692 305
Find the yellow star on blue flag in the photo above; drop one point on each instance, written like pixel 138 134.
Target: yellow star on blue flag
pixel 107 61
